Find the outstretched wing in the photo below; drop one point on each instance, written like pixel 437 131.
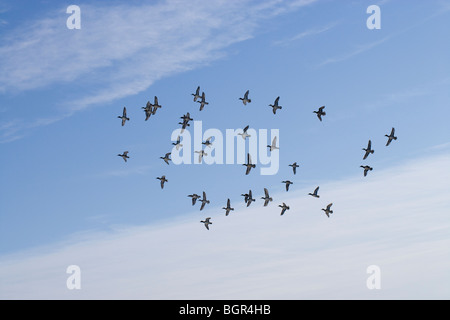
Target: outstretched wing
pixel 266 192
pixel 316 190
pixel 274 142
pixel 283 210
pixel 228 203
pixel 249 158
pixel 321 109
pixel 246 128
pixel 329 206
pixel 276 101
pixel 156 101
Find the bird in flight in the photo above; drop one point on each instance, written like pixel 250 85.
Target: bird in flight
pixel 148 109
pixel 206 222
pixel 274 144
pixel 320 112
pixel 184 124
pixel 249 164
pixel 186 117
pixel 275 105
pixel 288 183
pixel 245 195
pixel 177 144
pixel 244 134
pixel 328 210
pixel 228 208
pixel 201 154
pixel 314 194
pixel 202 102
pixel 162 179
pixel 124 116
pixel 283 207
pixel 196 94
pixel 245 99
pixel 208 142
pixel 391 137
pixel 124 155
pixel 194 197
pixel 266 197
pixel 368 150
pixel 204 201
pixel 366 169
pixel 250 198
pixel 166 158
pixel 294 167
pixel 155 105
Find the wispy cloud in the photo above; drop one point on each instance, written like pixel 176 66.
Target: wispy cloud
pixel 257 254
pixel 359 49
pixel 306 33
pixel 122 50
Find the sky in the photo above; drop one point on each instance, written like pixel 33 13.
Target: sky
pixel 66 198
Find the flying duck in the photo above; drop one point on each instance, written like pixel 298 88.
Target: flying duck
pixel 250 198
pixel 228 208
pixel 177 144
pixel 202 102
pixel 245 99
pixel 288 183
pixel 245 195
pixel 124 116
pixel 368 150
pixel 162 179
pixel 186 117
pixel 266 197
pixel 366 169
pixel 391 137
pixel 204 201
pixel 166 158
pixel 207 222
pixel 148 109
pixel 124 155
pixel 155 105
pixel 244 134
pixel 320 112
pixel 196 94
pixel 294 167
pixel 314 194
pixel 194 197
pixel 201 154
pixel 283 207
pixel 184 124
pixel 249 164
pixel 208 142
pixel 328 210
pixel 274 144
pixel 275 106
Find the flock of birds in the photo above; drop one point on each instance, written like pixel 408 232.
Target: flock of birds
pixel 151 108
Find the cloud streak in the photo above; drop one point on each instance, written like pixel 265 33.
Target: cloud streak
pixel 257 254
pixel 122 50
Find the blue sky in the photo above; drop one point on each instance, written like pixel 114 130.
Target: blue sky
pixel 61 91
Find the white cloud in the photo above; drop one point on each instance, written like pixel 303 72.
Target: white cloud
pixel 307 33
pixel 395 218
pixel 121 50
